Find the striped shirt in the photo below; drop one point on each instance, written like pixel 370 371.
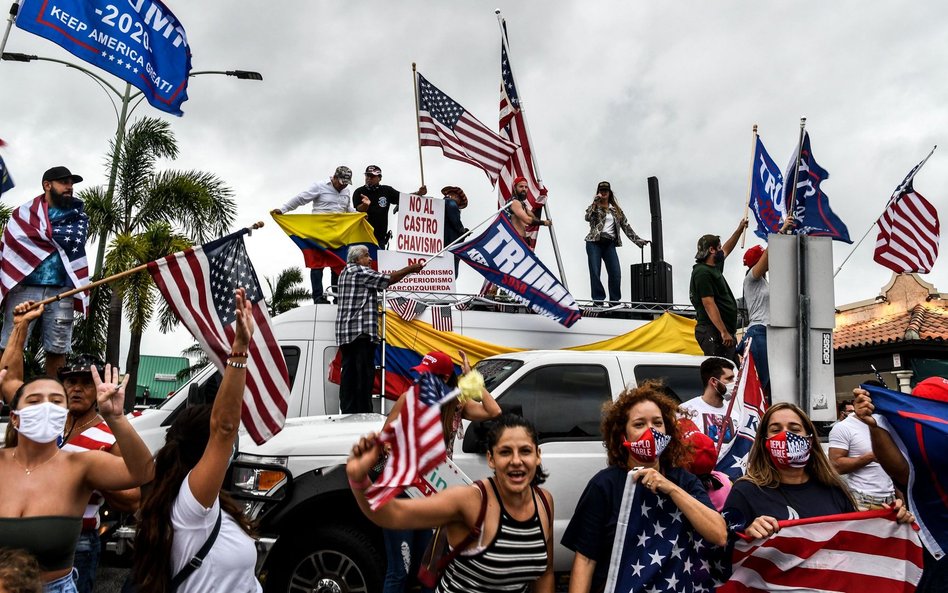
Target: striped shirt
pixel 94 438
pixel 515 558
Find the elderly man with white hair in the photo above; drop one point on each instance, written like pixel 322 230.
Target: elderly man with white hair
pixel 357 325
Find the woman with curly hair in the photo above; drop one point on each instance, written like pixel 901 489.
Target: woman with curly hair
pixel 639 431
pixel 787 477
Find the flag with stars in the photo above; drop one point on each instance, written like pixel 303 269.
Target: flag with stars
pixel 199 285
pixel 32 235
pixel 745 410
pixel 444 122
pixel 656 550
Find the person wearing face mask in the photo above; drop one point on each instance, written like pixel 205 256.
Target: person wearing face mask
pixel 709 410
pixel 639 430
pixel 711 296
pixel 43 513
pixel 788 477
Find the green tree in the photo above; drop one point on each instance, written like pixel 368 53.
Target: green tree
pixel 193 352
pixel 287 292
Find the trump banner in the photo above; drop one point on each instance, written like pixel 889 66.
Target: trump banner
pixel 811 208
pixel 140 41
pixel 501 256
pixel 766 199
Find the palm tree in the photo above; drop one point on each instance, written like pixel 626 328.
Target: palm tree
pixel 193 352
pixel 174 208
pixel 285 294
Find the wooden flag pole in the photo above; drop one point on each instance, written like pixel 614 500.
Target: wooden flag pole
pixel 750 182
pixel 414 77
pixel 112 278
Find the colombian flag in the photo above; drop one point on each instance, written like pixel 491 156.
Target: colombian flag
pixel 325 239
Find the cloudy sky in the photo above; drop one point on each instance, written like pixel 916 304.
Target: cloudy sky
pixel 613 90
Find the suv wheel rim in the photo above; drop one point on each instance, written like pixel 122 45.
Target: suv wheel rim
pixel 327 571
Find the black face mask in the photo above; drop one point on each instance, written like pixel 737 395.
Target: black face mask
pixel 718 257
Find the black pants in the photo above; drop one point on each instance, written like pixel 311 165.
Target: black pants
pixel 358 375
pixel 709 338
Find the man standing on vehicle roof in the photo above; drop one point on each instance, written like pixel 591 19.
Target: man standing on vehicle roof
pixel 521 215
pixel 715 306
pixel 380 197
pixel 454 201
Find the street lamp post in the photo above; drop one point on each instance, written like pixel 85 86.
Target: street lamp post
pixel 121 114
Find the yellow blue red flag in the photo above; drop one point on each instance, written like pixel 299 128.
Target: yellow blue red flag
pixel 325 239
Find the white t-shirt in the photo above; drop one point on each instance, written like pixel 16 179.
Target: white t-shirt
pixel 710 419
pixel 852 434
pixel 229 565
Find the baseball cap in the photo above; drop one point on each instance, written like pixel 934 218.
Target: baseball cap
pixel 705 243
pixel 58 173
pixel 752 256
pixel 80 364
pixel 704 456
pixel 935 388
pixel 343 174
pixel 435 362
pixel 373 170
pixel 603 185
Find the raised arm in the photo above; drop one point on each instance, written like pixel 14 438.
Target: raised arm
pixel 886 451
pixel 728 246
pixel 485 409
pixel 12 358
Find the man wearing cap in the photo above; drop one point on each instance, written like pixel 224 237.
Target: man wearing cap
pixel 715 307
pixel 522 216
pixel 85 430
pixel 55 214
pixel 380 197
pixel 328 197
pixel 454 201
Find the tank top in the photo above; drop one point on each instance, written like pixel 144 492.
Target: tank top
pixel 50 539
pixel 511 562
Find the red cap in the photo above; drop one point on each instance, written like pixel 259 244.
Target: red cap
pixel 705 454
pixel 935 388
pixel 435 362
pixel 518 180
pixel 752 256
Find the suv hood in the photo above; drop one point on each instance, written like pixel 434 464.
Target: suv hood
pixel 316 436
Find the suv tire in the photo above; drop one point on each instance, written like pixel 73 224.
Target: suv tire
pixel 333 559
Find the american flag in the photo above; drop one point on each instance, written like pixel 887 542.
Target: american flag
pixel 407 308
pixel 416 438
pixel 30 238
pixel 854 552
pixel 441 318
pixel 908 230
pixel 199 285
pixel 445 123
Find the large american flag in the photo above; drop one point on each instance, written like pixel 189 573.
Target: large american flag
pixel 199 285
pixel 908 230
pixel 30 238
pixel 416 438
pixel 444 122
pixel 854 552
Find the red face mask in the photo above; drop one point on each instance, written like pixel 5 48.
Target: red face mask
pixel 789 450
pixel 648 447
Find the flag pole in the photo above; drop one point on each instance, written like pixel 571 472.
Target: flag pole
pixel 14 9
pixel 115 277
pixel 791 206
pixel 536 170
pixel 750 181
pixel 414 77
pixel 803 318
pixel 468 233
pixel 866 234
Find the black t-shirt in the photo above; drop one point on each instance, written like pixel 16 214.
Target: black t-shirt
pixel 380 198
pixel 747 501
pixel 592 529
pixel 709 281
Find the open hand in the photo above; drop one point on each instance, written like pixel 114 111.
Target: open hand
pixel 244 327
pixel 109 393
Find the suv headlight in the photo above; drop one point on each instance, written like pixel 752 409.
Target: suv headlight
pixel 254 477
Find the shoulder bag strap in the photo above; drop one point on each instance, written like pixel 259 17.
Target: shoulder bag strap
pixel 472 535
pixel 546 505
pixel 198 559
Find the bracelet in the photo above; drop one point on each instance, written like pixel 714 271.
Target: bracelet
pixel 236 365
pixel 360 486
pixel 236 354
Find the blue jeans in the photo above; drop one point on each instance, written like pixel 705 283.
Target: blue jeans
pixel 403 551
pixel 66 584
pixel 86 560
pixel 597 252
pixel 57 318
pixel 758 334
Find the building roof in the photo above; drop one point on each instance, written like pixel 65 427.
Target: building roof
pixel 158 374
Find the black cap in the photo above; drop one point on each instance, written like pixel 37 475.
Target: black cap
pixel 58 173
pixel 81 364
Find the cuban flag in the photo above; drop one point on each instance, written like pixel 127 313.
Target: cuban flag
pixel 811 209
pixel 745 411
pixel 766 200
pixel 918 424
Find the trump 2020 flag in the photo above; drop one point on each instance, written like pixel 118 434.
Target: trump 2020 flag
pixel 325 239
pixel 919 426
pixel 655 547
pixel 851 553
pixel 140 41
pixel 199 285
pixel 766 199
pixel 501 256
pixel 811 209
pixel 745 411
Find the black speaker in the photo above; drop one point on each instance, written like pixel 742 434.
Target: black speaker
pixel 652 282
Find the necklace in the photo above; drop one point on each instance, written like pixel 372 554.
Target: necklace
pixel 30 471
pixel 82 427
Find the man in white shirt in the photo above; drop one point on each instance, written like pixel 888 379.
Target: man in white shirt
pixel 850 452
pixel 328 197
pixel 709 410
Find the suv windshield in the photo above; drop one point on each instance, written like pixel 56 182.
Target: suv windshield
pixel 495 370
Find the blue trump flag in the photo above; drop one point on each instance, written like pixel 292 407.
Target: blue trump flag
pixel 6 182
pixel 140 41
pixel 811 209
pixel 766 198
pixel 919 426
pixel 501 256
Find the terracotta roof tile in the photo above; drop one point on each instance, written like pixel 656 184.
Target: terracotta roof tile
pixel 926 321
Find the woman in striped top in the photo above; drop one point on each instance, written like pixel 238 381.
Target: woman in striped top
pixel 515 548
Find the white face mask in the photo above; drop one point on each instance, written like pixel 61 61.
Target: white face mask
pixel 42 423
pixel 729 390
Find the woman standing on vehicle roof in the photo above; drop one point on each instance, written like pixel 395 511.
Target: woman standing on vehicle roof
pixel 606 219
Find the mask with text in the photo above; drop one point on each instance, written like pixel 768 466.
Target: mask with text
pixel 789 450
pixel 648 447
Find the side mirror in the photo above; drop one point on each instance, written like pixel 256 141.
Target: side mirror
pixel 475 437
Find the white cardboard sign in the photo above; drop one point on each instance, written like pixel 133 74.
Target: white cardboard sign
pixel 437 276
pixel 420 225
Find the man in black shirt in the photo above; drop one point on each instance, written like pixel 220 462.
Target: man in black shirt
pixel 380 198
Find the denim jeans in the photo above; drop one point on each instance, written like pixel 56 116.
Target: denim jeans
pixel 757 333
pixel 66 584
pixel 86 560
pixel 57 318
pixel 403 551
pixel 316 279
pixel 598 252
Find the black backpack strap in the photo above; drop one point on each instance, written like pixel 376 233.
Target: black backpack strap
pixel 198 559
